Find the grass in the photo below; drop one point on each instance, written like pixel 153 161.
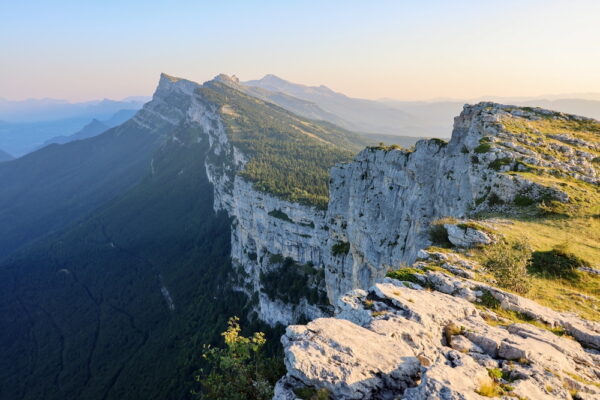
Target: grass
pixel 586 130
pixel 583 237
pixel 490 388
pixel 406 274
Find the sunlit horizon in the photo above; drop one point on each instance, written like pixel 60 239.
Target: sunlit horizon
pixel 397 50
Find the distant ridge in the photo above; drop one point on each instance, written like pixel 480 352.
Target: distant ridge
pixel 93 128
pixel 4 156
pixel 360 115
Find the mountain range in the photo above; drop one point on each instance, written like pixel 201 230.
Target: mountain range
pixel 123 253
pixel 28 125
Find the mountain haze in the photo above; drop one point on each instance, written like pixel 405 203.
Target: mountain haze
pixel 95 127
pixel 4 156
pixel 130 271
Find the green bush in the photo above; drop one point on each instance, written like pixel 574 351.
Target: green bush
pixel 439 235
pixel 494 200
pixel 522 200
pixel 308 393
pixel 340 248
pixel 508 261
pixel 483 148
pixel 237 371
pixel 558 262
pixel 277 213
pixel 499 163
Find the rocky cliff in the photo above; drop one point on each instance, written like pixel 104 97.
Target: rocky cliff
pixel 393 338
pixel 443 329
pixel 381 204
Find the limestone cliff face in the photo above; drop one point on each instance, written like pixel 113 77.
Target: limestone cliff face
pixel 380 208
pixel 382 204
pixel 263 226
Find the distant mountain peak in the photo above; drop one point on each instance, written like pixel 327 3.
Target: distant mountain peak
pixel 226 79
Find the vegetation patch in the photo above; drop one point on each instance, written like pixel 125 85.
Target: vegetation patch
pixel 558 262
pixel 406 274
pixel 522 200
pixel 508 261
pixel 289 156
pixel 240 370
pixel 340 248
pixel 438 234
pixel 290 282
pixel 498 163
pixel 307 393
pixel 277 213
pixel 483 148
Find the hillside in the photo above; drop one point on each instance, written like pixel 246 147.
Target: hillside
pixel 93 128
pixel 122 300
pixel 356 114
pixel 287 155
pixel 50 188
pixel 4 156
pixel 120 289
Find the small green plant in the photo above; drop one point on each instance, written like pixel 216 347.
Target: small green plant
pixel 488 300
pixel 307 393
pixel 406 274
pixel 482 148
pixel 489 388
pixel 508 261
pixel 340 248
pixel 276 258
pixel 499 163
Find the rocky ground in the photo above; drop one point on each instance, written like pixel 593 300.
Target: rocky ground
pixel 399 340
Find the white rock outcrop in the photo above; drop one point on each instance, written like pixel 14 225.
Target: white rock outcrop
pixel 421 344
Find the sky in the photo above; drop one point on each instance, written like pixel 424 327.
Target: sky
pixel 82 50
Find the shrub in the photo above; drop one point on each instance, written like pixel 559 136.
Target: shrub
pixel 488 300
pixel 558 262
pixel 307 393
pixel 489 388
pixel 483 148
pixel 508 263
pixel 276 258
pixel 340 248
pixel 499 163
pixel 439 235
pixel 277 213
pixel 522 200
pixel 237 371
pixel 493 199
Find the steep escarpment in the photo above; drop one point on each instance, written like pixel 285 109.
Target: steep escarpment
pixel 383 202
pixel 513 201
pixel 269 169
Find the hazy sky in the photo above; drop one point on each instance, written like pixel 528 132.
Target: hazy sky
pixel 89 49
